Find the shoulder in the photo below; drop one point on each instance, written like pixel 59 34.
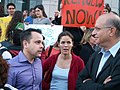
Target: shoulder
pixel 13 61
pixel 20 23
pixel 46 21
pixel 28 18
pixel 35 19
pixel 16 61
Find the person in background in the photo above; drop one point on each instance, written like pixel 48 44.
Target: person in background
pixel 56 18
pixel 15 23
pixel 2 11
pixel 86 47
pixel 51 50
pixel 11 9
pixel 29 19
pixel 66 63
pixel 41 17
pixel 13 50
pixel 102 69
pixel 88 43
pixel 25 14
pixel 25 72
pixel 107 8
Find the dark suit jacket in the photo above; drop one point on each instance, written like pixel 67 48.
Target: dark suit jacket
pixel 86 52
pixel 111 67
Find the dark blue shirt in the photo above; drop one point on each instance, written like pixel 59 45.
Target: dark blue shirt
pixel 29 19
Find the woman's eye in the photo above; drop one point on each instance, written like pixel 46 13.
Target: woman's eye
pixel 62 42
pixel 68 42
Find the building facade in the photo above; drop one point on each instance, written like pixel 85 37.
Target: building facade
pixel 115 5
pixel 20 4
pixel 50 5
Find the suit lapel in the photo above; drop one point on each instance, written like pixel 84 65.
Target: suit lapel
pixel 96 64
pixel 106 64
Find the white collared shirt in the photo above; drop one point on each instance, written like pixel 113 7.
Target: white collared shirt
pixel 106 55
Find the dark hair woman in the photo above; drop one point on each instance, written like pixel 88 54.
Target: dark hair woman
pixel 66 63
pixel 41 17
pixel 3 72
pixel 15 23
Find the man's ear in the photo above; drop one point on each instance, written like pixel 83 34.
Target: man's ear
pixel 113 31
pixel 25 43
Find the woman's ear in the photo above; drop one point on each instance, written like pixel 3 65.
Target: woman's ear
pixel 58 44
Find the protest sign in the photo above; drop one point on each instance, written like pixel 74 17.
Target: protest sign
pixel 3 24
pixel 50 32
pixel 77 13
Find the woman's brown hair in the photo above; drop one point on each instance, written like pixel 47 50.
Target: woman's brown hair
pixel 3 71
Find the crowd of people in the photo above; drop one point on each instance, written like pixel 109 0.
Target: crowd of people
pixel 82 58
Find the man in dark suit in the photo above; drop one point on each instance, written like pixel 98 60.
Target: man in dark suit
pixel 102 72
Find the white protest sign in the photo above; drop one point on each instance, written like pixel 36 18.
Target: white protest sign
pixel 50 32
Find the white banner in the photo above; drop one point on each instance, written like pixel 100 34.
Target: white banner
pixel 50 32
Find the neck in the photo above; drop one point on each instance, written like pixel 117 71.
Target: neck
pixel 66 57
pixel 110 45
pixel 29 57
pixel 41 17
pixel 92 45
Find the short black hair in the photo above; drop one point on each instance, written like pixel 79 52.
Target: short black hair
pixel 11 4
pixel 26 34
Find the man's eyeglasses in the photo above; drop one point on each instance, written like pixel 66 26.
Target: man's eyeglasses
pixel 97 28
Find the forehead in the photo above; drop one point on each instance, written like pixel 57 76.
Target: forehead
pixel 11 6
pixel 25 11
pixel 37 9
pixel 65 38
pixel 36 35
pixel 100 21
pixel 32 10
